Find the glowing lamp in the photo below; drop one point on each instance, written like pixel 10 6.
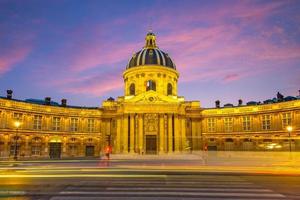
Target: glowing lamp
pixel 289 128
pixel 17 124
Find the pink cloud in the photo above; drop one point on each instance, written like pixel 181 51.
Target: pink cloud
pixel 95 86
pixel 12 57
pixel 231 77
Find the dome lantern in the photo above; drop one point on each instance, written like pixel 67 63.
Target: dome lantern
pixel 150 40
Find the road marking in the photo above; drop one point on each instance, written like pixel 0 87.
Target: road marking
pixel 11 192
pixel 177 193
pixel 188 189
pixel 79 175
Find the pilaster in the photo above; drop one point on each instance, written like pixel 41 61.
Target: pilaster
pixel 132 131
pixel 176 133
pixel 161 134
pixel 118 139
pixel 183 134
pixel 141 134
pixel 125 134
pixel 170 134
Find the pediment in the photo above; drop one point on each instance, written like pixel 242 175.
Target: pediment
pixel 152 97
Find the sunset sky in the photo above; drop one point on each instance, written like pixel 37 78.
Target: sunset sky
pixel 78 50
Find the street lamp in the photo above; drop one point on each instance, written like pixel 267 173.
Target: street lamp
pixel 290 129
pixel 17 125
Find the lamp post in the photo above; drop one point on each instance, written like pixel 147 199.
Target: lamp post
pixel 17 125
pixel 290 129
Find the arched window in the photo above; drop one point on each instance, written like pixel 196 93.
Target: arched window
pixel 150 85
pixel 132 89
pixel 170 88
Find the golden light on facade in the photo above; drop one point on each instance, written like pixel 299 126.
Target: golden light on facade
pixel 17 124
pixel 289 128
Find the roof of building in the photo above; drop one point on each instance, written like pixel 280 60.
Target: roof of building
pixel 151 55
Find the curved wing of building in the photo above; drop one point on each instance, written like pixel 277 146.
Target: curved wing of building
pixel 149 119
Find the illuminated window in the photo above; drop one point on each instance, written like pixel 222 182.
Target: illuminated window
pixel 266 122
pixel 228 124
pixel 286 120
pixel 56 123
pixel 132 89
pixel 37 122
pixel 150 85
pixel 91 125
pixel 246 123
pixel 170 89
pixel 211 123
pixel 74 124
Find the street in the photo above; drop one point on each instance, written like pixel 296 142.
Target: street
pixel 139 179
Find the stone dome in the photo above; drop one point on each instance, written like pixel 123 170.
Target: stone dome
pixel 151 55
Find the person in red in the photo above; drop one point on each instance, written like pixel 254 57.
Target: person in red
pixel 108 151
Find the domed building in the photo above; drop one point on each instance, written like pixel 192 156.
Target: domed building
pixel 151 118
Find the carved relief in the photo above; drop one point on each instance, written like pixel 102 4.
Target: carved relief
pixel 151 123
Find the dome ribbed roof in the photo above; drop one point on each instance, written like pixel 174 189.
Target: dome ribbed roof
pixel 151 55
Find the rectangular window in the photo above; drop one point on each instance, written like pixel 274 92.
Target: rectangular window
pixel 246 123
pixel 18 116
pixel 74 124
pixel 286 119
pixel 228 124
pixel 36 150
pixel 211 123
pixel 37 122
pixel 266 122
pixel 91 125
pixel 56 124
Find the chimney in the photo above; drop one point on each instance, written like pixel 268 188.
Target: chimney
pixel 240 102
pixel 47 100
pixel 9 94
pixel 64 102
pixel 217 104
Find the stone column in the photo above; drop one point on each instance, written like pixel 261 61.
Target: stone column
pixel 27 149
pixel 118 139
pixel 64 149
pixel 194 135
pixel 46 154
pixel 161 134
pixel 176 133
pixel 6 147
pixel 82 147
pixel 183 134
pixel 199 135
pixel 132 131
pixel 125 134
pixel 170 134
pixel 141 134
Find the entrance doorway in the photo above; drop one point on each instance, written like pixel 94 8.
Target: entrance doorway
pixel 151 144
pixel 89 151
pixel 55 150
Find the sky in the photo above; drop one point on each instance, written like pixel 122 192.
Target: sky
pixel 78 50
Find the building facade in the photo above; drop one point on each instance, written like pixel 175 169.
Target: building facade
pixel 149 119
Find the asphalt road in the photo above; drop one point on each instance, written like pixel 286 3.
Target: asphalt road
pixel 130 180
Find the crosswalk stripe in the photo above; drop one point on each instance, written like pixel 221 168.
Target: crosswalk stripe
pixel 188 189
pixel 159 193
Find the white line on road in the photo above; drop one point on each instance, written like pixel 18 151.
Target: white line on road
pixel 187 189
pixel 178 193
